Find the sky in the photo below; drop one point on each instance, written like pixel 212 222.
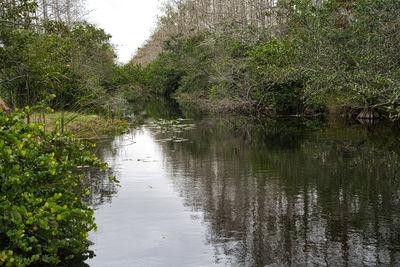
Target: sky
pixel 130 22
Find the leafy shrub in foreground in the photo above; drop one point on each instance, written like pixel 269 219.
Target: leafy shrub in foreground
pixel 42 217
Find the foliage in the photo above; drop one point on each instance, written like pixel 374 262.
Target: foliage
pixel 193 57
pixel 183 67
pixel 161 77
pixel 289 56
pixel 43 220
pixel 74 61
pixel 275 83
pixel 127 79
pixel 343 48
pixel 42 217
pixel 230 75
pixel 235 65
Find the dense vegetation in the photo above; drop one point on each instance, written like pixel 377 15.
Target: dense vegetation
pixel 42 217
pixel 45 51
pixel 277 57
pixel 257 56
pixel 48 55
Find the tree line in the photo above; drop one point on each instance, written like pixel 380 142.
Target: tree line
pixel 277 56
pixel 46 47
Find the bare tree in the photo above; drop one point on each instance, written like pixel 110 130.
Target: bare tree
pixel 186 16
pixel 68 11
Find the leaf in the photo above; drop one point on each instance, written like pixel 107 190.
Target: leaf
pixel 16 217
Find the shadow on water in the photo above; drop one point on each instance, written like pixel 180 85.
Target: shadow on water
pixel 286 192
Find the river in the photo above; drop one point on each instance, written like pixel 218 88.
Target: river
pixel 223 191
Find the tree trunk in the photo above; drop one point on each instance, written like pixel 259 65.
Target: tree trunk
pixel 44 3
pixel 4 107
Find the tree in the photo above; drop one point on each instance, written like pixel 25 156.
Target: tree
pixel 68 11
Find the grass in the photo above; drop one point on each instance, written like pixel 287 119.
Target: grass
pixel 85 126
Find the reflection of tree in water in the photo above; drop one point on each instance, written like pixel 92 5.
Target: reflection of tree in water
pixel 101 188
pixel 330 197
pixel 154 108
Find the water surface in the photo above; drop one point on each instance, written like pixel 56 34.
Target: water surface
pixel 232 192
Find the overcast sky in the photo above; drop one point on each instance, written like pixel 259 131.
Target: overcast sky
pixel 130 22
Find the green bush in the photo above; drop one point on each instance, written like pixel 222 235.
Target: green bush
pixel 349 50
pixel 276 83
pixel 183 67
pixel 39 57
pixel 161 77
pixel 42 217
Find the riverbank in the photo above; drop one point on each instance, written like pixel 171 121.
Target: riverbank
pixel 236 106
pixel 252 109
pixel 84 126
pixel 204 104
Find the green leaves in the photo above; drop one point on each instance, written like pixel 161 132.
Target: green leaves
pixel 74 62
pixel 42 217
pixel 16 218
pixel 342 48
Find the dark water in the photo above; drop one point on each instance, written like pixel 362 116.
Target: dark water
pixel 232 192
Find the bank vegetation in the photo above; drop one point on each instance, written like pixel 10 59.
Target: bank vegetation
pixel 276 57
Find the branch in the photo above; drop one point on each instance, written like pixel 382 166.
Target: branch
pixel 12 23
pixel 10 80
pixel 19 24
